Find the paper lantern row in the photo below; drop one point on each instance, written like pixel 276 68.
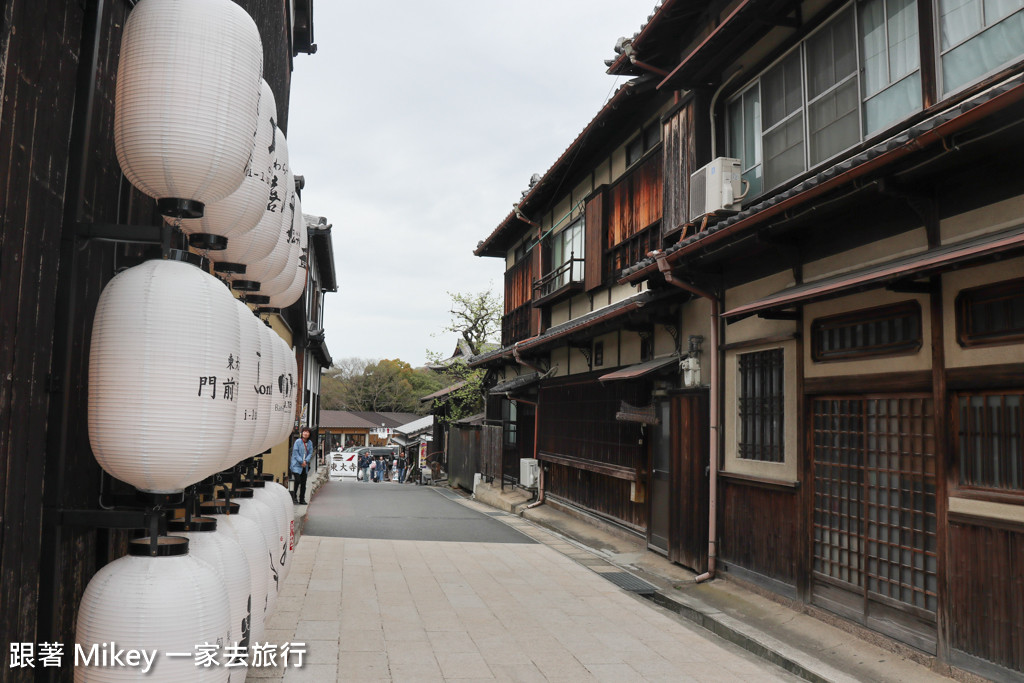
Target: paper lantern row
pixel 221 591
pixel 184 381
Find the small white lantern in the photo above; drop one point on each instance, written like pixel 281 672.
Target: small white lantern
pixel 258 243
pixel 250 537
pixel 272 266
pixel 241 210
pixel 294 289
pixel 258 511
pixel 285 505
pixel 188 89
pixel 158 605
pixel 224 553
pixel 284 391
pixel 248 414
pixel 162 399
pixel 262 434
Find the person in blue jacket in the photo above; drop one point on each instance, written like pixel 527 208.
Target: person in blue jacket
pixel 302 456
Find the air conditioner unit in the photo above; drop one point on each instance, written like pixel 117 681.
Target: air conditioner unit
pixel 715 187
pixel 529 471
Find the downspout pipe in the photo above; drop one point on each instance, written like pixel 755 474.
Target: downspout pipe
pixel 523 361
pixel 715 418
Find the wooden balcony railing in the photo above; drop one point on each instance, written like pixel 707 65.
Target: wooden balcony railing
pixel 569 273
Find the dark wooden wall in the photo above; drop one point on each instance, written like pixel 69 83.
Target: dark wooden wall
pixel 605 495
pixel 680 162
pixel 57 169
pixel 759 529
pixel 986 582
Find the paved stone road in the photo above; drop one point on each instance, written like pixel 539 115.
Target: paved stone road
pixel 389 609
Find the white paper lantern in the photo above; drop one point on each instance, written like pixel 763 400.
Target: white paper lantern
pixel 223 552
pixel 161 604
pixel 274 264
pixel 262 435
pixel 266 494
pixel 258 511
pixel 188 89
pixel 298 256
pixel 250 537
pixel 247 412
pixel 258 243
pixel 286 508
pixel 284 391
pixel 162 389
pixel 293 291
pixel 241 210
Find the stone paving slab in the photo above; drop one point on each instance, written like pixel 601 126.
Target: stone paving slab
pixel 453 611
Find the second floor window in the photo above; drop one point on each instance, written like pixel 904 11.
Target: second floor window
pixel 849 79
pixel 566 248
pixel 977 37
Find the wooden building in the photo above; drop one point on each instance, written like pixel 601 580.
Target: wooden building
pixel 860 300
pixel 62 189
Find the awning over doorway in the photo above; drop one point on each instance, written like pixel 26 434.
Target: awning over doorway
pixel 517 383
pixel 927 262
pixel 640 369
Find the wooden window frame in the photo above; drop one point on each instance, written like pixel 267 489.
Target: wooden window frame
pixel 759 418
pixel 985 294
pixel 980 491
pixel 910 308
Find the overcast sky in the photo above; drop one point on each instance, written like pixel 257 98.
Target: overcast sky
pixel 417 125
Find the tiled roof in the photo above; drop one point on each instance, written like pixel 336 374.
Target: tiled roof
pixel 343 419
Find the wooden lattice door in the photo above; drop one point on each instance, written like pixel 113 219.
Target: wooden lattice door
pixel 874 517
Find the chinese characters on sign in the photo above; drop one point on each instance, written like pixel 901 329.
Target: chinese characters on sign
pixel 259 655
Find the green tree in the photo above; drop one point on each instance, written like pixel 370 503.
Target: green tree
pixel 476 318
pixel 384 386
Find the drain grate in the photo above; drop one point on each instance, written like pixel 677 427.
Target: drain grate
pixel 627 581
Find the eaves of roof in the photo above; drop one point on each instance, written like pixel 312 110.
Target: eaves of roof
pixel 343 419
pixel 585 323
pixel 661 34
pixel 319 231
pixel 930 131
pixel 443 392
pixel 627 100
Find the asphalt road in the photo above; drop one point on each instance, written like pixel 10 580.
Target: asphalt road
pixel 385 510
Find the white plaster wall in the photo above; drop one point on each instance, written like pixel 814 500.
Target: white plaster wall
pixel 754 328
pixel 994 217
pixel 629 348
pixel 560 361
pixel 911 242
pixel 921 360
pixel 983 508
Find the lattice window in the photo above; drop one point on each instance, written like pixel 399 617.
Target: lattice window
pixel 761 399
pixel 882 331
pixel 578 419
pixel 990 444
pixel 993 314
pixel 874 496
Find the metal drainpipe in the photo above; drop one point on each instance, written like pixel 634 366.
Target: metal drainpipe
pixel 666 271
pixel 540 470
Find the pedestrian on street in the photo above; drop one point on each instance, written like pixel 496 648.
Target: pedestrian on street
pixel 302 454
pixel 364 473
pixel 401 468
pixel 373 469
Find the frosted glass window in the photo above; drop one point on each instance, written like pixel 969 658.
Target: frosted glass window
pixel 891 61
pixel 744 136
pixel 978 37
pixel 834 107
